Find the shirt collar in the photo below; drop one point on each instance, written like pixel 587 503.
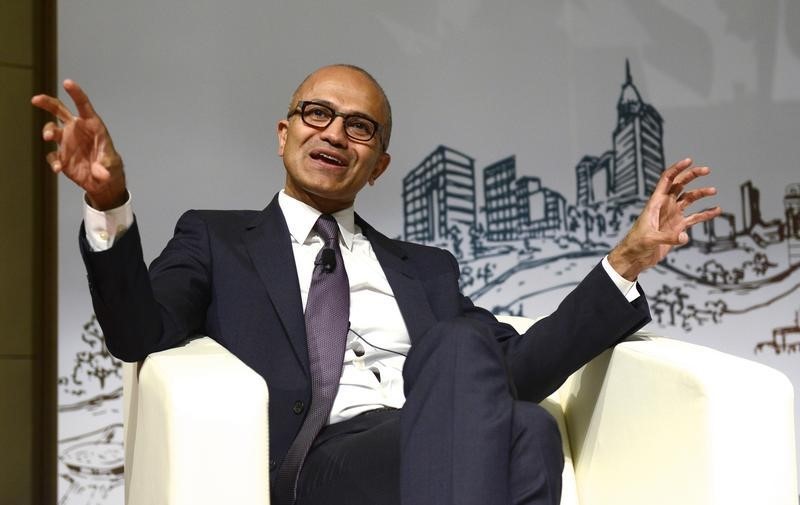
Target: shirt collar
pixel 301 217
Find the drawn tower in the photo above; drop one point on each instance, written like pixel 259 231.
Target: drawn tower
pixel 791 205
pixel 751 206
pixel 638 145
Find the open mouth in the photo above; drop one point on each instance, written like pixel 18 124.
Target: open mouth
pixel 328 158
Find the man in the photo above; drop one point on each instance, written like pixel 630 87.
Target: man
pixel 436 401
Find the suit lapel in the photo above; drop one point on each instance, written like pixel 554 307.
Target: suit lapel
pixel 269 245
pixel 408 289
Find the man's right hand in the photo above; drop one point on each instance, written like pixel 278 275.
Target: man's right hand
pixel 85 152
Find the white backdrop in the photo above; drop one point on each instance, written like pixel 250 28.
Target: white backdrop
pixel 192 90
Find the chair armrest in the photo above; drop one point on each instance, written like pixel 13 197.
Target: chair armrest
pixel 196 429
pixel 660 421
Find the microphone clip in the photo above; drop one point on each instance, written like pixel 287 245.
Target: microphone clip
pixel 327 259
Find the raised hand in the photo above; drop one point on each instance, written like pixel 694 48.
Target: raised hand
pixel 85 152
pixel 662 223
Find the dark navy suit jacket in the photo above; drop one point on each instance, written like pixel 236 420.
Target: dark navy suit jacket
pixel 231 275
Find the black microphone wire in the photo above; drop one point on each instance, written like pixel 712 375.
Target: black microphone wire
pixel 377 346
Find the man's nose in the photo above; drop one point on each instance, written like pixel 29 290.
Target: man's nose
pixel 335 133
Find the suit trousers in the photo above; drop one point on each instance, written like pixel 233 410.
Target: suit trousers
pixel 461 438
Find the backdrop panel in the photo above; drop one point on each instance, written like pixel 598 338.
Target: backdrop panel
pixel 526 136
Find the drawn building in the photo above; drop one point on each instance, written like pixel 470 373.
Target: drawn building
pixel 638 145
pixel 791 205
pixel 594 178
pixel 715 235
pixel 753 224
pixel 437 194
pixel 500 199
pixel 541 212
pixel 751 206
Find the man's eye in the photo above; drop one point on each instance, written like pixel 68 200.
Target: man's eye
pixel 317 113
pixel 360 126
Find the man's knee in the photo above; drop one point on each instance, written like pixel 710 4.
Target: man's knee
pixel 454 341
pixel 457 333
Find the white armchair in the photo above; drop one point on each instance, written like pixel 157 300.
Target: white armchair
pixel 653 421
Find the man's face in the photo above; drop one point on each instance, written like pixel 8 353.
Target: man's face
pixel 324 167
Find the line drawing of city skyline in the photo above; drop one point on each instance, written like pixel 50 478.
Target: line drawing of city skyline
pixel 440 207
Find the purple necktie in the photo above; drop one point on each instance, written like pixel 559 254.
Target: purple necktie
pixel 327 322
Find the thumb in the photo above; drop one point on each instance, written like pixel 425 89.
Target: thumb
pixel 671 238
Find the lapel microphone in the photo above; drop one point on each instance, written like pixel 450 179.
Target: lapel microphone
pixel 328 260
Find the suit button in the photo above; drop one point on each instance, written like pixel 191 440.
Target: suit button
pixel 298 406
pixel 272 464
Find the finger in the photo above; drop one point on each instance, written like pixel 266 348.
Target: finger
pixel 55 163
pixel 51 132
pixel 665 182
pixel 82 103
pixel 692 196
pixel 704 215
pixel 687 176
pixel 54 106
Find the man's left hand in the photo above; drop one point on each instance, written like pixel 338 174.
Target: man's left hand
pixel 662 224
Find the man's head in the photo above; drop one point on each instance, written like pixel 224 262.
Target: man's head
pixel 326 166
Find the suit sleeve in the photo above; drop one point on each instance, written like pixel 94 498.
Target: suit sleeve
pixel 143 311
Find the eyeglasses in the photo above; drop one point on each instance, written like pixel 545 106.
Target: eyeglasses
pixel 316 115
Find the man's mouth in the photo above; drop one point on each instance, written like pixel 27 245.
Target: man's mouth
pixel 328 158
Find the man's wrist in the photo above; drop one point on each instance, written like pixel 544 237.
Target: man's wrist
pixel 627 267
pixel 107 201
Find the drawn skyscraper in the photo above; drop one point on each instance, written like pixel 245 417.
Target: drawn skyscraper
pixel 500 198
pixel 593 176
pixel 751 208
pixel 638 145
pixel 439 193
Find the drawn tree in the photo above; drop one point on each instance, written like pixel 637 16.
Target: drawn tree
pixel 690 314
pixel 601 225
pixel 454 234
pixel 713 272
pixel 588 224
pixel 716 308
pixel 616 217
pixel 486 272
pixel 573 219
pixel 94 364
pixel 476 235
pixel 465 278
pixel 670 300
pixel 761 264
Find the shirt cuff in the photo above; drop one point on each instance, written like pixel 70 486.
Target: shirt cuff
pixel 104 227
pixel 626 287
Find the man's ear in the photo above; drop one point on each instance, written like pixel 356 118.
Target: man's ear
pixel 380 168
pixel 282 130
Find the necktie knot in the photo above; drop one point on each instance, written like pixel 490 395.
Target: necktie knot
pixel 328 229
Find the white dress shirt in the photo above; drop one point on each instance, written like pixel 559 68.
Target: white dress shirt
pixel 378 340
